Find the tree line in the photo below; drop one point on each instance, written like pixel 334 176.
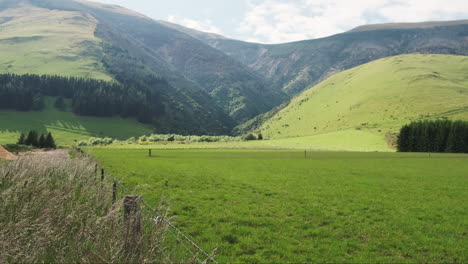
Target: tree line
pixel 33 139
pixel 434 136
pixel 129 98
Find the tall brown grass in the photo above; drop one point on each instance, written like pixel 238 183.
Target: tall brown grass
pixel 57 210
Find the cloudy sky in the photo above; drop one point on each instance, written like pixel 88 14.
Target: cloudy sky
pixel 277 21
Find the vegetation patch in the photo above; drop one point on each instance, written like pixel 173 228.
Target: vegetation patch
pixel 434 136
pixel 52 210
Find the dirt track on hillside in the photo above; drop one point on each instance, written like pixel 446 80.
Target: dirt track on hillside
pixel 4 154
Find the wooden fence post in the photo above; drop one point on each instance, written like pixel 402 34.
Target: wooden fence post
pixel 102 174
pixel 149 152
pixel 95 168
pixel 132 223
pixel 114 192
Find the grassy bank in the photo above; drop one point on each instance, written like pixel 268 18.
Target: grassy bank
pixel 53 211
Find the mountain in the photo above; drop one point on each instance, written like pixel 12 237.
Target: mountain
pixel 210 90
pixel 214 83
pixel 376 99
pixel 430 24
pixel 293 67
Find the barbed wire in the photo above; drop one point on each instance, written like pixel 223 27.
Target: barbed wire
pixel 152 210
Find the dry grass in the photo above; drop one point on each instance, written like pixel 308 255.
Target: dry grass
pixel 56 210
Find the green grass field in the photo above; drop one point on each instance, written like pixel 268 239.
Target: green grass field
pixel 377 98
pixel 52 42
pixel 275 206
pixel 337 141
pixel 66 127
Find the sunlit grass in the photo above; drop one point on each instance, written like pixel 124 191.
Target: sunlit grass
pixel 276 206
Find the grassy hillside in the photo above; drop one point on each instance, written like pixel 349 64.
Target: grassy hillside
pixel 377 99
pixel 66 38
pixel 42 41
pixel 66 126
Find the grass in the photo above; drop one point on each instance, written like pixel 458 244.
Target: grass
pixel 53 42
pixel 52 211
pixel 274 206
pixel 336 141
pixel 66 127
pixel 377 98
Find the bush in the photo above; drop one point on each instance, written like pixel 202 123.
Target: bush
pixel 96 141
pixel 250 137
pixel 17 148
pixel 260 136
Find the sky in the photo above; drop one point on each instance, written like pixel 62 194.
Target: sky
pixel 279 21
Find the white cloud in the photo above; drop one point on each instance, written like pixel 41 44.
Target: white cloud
pixel 201 25
pixel 274 21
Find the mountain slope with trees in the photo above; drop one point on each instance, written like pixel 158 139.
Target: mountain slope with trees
pixel 148 47
pixel 185 107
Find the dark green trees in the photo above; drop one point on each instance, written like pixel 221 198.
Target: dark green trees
pixel 250 137
pixel 60 104
pixel 33 139
pixel 434 136
pixel 21 139
pixel 49 142
pixel 129 98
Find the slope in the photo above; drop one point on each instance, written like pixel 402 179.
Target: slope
pixel 61 37
pixel 293 67
pixel 66 127
pixel 43 41
pixel 186 62
pixel 376 99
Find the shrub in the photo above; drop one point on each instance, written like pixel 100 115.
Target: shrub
pixel 96 141
pixel 17 148
pixel 250 137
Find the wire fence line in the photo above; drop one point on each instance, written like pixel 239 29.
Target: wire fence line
pixel 179 235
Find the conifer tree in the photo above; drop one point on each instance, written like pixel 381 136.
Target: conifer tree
pixel 42 142
pixel 49 141
pixel 21 139
pixel 434 136
pixel 403 139
pixel 31 139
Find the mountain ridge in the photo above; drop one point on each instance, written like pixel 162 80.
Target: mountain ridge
pixel 428 24
pixel 292 67
pixel 215 81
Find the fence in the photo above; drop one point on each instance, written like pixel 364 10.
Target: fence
pixel 178 246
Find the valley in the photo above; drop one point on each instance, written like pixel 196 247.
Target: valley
pixel 169 144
